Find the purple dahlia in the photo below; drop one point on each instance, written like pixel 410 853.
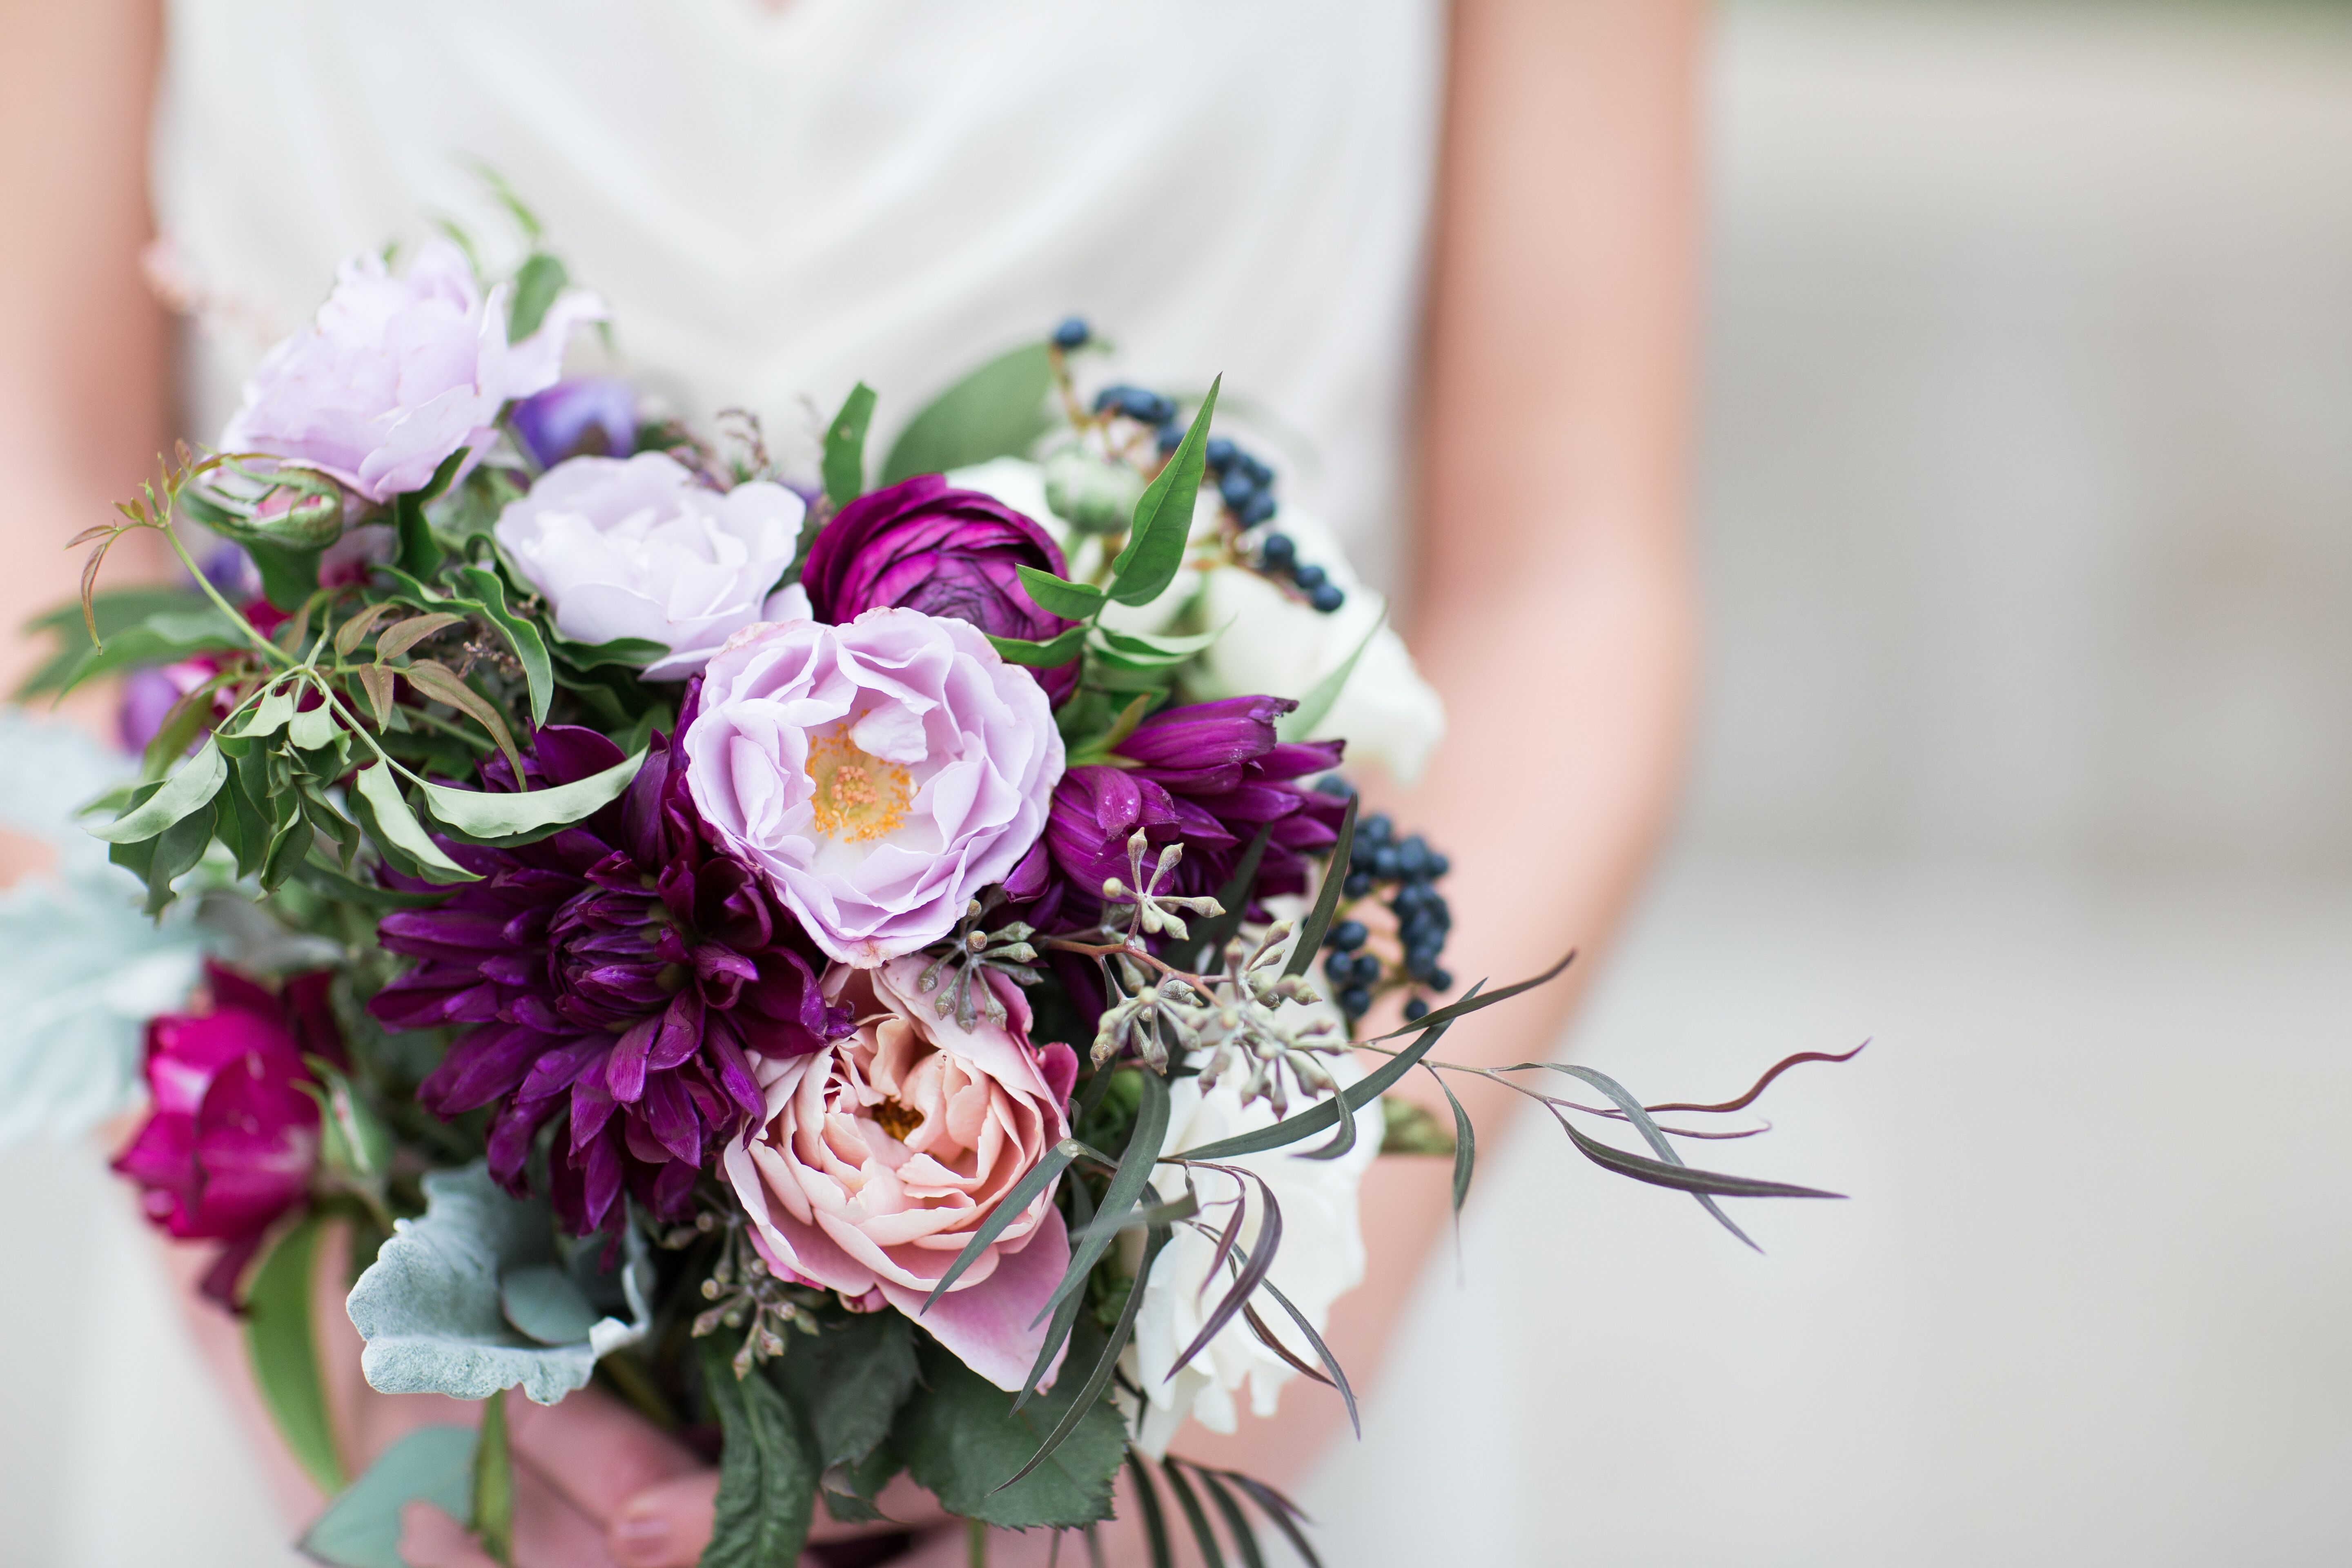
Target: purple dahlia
pixel 619 971
pixel 1211 775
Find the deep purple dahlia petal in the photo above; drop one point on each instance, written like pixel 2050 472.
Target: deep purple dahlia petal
pixel 487 1063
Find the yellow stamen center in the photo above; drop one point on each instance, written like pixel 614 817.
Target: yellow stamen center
pixel 898 1120
pixel 856 797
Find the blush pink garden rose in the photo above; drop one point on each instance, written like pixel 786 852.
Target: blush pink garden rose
pixel 397 372
pixel 882 1153
pixel 640 547
pixel 878 774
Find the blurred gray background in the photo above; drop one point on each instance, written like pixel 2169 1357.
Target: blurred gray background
pixel 2027 752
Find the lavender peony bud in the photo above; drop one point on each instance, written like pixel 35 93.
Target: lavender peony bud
pixel 640 548
pixel 397 374
pixel 922 545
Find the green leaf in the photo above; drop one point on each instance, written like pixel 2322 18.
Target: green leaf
pixel 767 1475
pixel 633 653
pixel 529 647
pixel 160 860
pixel 845 448
pixel 1155 1524
pixel 494 1484
pixel 491 817
pixel 1040 654
pixel 285 1356
pixel 1153 652
pixel 431 1309
pixel 1042 1175
pixel 166 637
pixel 1059 597
pixel 415 552
pixel 1465 1145
pixel 442 684
pixel 289 575
pixel 536 285
pixel 1668 1170
pixel 1127 1186
pixel 1237 1522
pixel 962 1438
pixel 1202 1537
pixel 864 1370
pixel 1327 899
pixel 1325 1112
pixel 1106 1364
pixel 1300 721
pixel 198 780
pixel 1409 1128
pixel 1163 518
pixel 393 825
pixel 997 411
pixel 1477 998
pixel 541 1299
pixel 360 1529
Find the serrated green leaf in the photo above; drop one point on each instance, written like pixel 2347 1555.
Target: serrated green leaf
pixel 360 1529
pixel 1059 597
pixel 864 1370
pixel 1163 518
pixel 285 1356
pixel 845 448
pixel 960 1438
pixel 767 1474
pixel 997 411
pixel 193 786
pixel 492 816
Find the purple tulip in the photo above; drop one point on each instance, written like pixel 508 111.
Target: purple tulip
pixel 589 417
pixel 230 1145
pixel 922 545
pixel 615 973
pixel 1211 775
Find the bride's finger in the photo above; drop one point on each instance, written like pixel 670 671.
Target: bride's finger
pixel 665 1526
pixel 598 1451
pixel 551 1531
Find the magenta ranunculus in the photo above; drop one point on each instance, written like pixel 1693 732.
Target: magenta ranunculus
pixel 881 1154
pixel 878 774
pixel 615 974
pixel 397 372
pixel 231 1142
pixel 922 545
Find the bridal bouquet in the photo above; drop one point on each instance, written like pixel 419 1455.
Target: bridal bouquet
pixel 868 966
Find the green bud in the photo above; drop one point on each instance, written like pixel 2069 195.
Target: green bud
pixel 1089 494
pixel 300 511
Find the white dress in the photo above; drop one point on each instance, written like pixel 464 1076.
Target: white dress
pixel 780 201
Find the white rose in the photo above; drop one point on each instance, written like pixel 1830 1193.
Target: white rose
pixel 1271 643
pixel 639 548
pixel 1321 1259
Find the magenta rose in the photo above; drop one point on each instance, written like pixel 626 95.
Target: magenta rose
pixel 877 774
pixel 922 545
pixel 882 1153
pixel 397 372
pixel 231 1142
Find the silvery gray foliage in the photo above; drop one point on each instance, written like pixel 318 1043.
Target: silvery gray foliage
pixel 81 970
pixel 478 1296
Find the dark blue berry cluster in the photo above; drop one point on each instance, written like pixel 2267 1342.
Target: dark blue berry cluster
pixel 1406 872
pixel 1277 556
pixel 1073 334
pixel 1142 406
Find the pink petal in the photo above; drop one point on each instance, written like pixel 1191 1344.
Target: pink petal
pixel 988 1327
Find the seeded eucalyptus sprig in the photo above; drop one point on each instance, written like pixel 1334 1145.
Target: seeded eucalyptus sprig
pixel 972 950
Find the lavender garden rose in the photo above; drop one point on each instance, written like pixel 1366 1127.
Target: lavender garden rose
pixel 396 373
pixel 879 774
pixel 640 547
pixel 923 545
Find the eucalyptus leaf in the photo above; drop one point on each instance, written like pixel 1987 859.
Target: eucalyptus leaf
pixel 360 1529
pixel 1327 899
pixel 997 411
pixel 431 1307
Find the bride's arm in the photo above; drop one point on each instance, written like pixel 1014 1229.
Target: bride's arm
pixel 1552 606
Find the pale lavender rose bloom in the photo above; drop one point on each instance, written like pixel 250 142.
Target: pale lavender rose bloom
pixel 878 774
pixel 397 372
pixel 639 547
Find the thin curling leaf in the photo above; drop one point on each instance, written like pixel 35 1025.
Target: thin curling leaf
pixel 522 635
pixel 1300 721
pixel 183 794
pixel 1681 1178
pixel 494 1482
pixel 1273 1341
pixel 1337 1376
pixel 1327 899
pixel 997 411
pixel 1476 999
pixel 494 818
pixel 1466 1144
pixel 1091 1394
pixel 360 1529
pixel 398 828
pixel 1147 1502
pixel 845 448
pixel 1248 1278
pixel 284 1354
pixel 1202 1536
pixel 1059 597
pixel 1127 1184
pixel 1041 1176
pixel 1324 1113
pixel 1652 1134
pixel 1163 517
pixel 1282 1512
pixel 1043 655
pixel 1237 1523
pixel 442 684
